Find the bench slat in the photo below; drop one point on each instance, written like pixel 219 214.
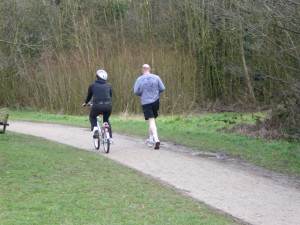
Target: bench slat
pixel 3 122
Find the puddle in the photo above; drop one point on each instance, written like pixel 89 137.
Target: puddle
pixel 194 152
pixel 206 155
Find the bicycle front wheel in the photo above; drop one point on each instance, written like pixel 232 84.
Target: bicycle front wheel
pixel 105 142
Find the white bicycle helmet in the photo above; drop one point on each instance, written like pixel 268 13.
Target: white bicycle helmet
pixel 101 74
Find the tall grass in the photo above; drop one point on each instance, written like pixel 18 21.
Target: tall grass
pixel 61 84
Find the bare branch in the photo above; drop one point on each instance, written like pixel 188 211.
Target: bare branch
pixel 287 29
pixel 15 43
pixel 296 3
pixel 284 81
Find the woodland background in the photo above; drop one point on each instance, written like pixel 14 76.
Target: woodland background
pixel 221 55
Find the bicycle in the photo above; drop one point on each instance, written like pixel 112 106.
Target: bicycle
pixel 102 136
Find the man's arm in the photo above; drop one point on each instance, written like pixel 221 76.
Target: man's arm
pixel 136 88
pixel 161 86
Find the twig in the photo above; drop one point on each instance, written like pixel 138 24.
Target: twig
pixel 284 81
pixel 287 29
pixel 15 43
pixel 290 1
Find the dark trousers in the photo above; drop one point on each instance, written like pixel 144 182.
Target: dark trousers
pixel 98 109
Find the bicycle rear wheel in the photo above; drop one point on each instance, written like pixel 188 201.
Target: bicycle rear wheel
pixel 105 142
pixel 96 141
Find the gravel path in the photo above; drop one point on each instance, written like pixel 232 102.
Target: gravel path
pixel 243 191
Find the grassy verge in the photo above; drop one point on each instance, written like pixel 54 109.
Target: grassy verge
pixel 200 132
pixel 47 183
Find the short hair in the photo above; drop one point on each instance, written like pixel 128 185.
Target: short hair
pixel 146 66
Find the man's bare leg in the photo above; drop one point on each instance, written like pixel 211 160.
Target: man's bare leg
pixel 153 131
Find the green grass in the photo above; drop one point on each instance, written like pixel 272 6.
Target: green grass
pixel 200 132
pixel 48 183
pixel 32 115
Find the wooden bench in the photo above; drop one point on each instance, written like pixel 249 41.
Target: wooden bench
pixel 3 122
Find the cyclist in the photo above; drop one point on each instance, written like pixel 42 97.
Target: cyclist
pixel 101 91
pixel 148 86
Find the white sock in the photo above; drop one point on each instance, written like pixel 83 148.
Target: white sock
pixel 155 138
pixel 95 128
pixel 151 138
pixel 153 130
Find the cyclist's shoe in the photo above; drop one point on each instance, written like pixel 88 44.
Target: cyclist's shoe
pixel 157 144
pixel 111 141
pixel 96 134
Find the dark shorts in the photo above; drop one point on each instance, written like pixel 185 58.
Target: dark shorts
pixel 151 110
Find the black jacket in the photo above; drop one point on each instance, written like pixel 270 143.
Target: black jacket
pixel 101 91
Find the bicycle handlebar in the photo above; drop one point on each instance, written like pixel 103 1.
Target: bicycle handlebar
pixel 87 104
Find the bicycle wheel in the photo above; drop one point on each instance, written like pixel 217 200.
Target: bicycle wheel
pixel 105 141
pixel 96 142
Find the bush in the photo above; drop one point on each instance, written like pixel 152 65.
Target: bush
pixel 284 120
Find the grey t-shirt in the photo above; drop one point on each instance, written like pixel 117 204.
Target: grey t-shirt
pixel 148 86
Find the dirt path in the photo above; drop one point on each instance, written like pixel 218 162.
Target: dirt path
pixel 245 192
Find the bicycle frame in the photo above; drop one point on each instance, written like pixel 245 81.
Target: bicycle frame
pixel 104 129
pixel 104 136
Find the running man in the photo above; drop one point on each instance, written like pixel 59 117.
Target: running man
pixel 149 86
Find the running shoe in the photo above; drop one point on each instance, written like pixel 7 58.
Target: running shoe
pixel 111 141
pixel 150 143
pixel 96 134
pixel 157 144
